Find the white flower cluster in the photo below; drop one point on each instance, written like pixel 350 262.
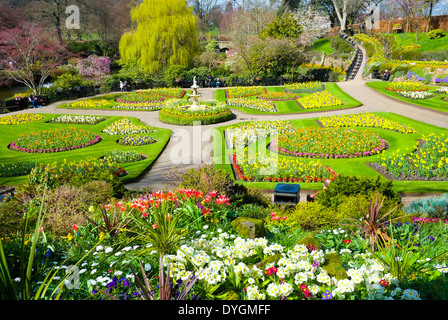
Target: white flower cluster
pixel 80 119
pixel 416 95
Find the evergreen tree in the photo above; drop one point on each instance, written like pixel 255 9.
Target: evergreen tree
pixel 165 35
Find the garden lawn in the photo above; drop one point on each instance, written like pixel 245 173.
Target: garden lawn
pixel 426 44
pixel 405 143
pixel 434 103
pixel 109 143
pixel 287 107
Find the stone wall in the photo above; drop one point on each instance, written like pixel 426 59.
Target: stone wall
pixel 386 26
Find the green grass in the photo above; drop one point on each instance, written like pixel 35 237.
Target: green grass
pixel 356 166
pixel 12 132
pixel 323 45
pixel 288 107
pixel 426 44
pixel 434 103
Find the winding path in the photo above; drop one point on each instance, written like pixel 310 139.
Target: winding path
pixel 190 138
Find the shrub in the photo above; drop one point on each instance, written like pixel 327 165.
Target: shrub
pixel 312 216
pixel 436 34
pixel 253 211
pixel 349 205
pixel 344 185
pixel 434 207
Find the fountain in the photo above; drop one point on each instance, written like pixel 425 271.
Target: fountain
pixel 195 97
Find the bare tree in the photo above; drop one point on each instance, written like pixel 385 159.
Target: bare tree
pixel 205 11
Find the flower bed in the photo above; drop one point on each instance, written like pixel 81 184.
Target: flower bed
pixel 73 119
pixel 57 173
pixel 321 99
pixel 123 156
pixel 16 169
pixel 20 119
pixel 147 97
pixel 55 140
pixel 406 86
pixel 175 93
pixel 136 140
pixel 329 143
pixel 442 90
pixel 90 104
pixel 305 87
pixel 416 95
pixel 365 120
pixel 427 162
pixel 125 126
pixel 278 96
pixel 178 112
pixel 243 134
pixel 139 106
pixel 254 167
pixel 241 92
pixel 264 106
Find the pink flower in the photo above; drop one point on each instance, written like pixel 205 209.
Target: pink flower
pixel 154 226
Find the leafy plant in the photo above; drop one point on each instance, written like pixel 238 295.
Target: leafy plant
pixel 165 289
pixel 372 223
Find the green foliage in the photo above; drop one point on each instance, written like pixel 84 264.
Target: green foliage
pixel 165 35
pixel 69 81
pixel 344 185
pixel 285 26
pixel 436 34
pixel 171 73
pixel 341 45
pixel 130 73
pixel 93 47
pixel 312 216
pixel 253 211
pixel 435 207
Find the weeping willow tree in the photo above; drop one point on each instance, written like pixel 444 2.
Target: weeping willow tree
pixel 165 34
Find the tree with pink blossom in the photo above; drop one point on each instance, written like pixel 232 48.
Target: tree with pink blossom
pixel 28 54
pixel 94 66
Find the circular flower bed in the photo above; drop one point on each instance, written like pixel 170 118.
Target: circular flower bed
pixel 55 140
pixel 123 156
pixel 278 96
pixel 20 119
pixel 136 140
pixel 329 143
pixel 177 112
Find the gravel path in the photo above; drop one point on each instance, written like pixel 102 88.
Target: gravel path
pixel 191 146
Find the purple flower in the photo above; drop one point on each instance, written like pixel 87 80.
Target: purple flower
pixel 327 295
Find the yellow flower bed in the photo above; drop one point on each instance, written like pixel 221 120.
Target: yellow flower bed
pixel 20 119
pixel 90 104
